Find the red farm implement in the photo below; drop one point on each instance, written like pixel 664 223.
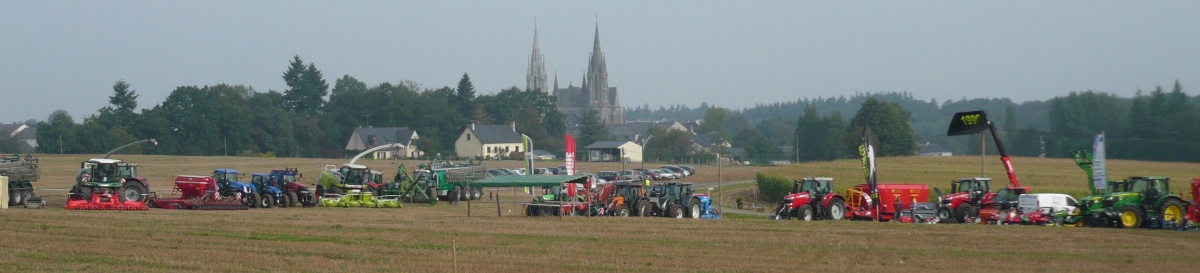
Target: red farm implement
pixel 200 193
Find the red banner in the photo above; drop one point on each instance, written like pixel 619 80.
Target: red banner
pixel 570 156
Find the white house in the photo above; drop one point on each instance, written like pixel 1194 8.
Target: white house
pixel 614 150
pixel 489 141
pixel 366 138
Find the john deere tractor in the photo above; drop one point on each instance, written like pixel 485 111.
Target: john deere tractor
pixel 1148 202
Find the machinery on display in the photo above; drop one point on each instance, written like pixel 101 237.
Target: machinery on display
pixel 200 193
pixel 886 202
pixel 347 186
pixel 21 171
pixel 109 184
pixel 810 199
pixel 970 200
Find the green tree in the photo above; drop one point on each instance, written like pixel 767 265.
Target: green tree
pixel 57 135
pixel 715 124
pixel 123 98
pixel 890 124
pixel 465 95
pixel 668 144
pixel 759 148
pixel 591 129
pixel 306 88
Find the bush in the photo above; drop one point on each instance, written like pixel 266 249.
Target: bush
pixel 772 188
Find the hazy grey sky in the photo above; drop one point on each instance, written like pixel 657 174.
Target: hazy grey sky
pixel 66 55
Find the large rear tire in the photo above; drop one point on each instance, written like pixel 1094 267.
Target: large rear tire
pixel 622 211
pixel 266 201
pixel 836 210
pixel 14 198
pixel 675 211
pixel 85 193
pixel 251 201
pixel 963 213
pixel 133 191
pixel 1172 211
pixel 644 209
pixel 291 198
pixel 805 213
pixel 694 209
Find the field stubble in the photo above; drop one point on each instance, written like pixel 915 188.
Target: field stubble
pixel 423 238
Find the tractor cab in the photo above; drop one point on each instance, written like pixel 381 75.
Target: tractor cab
pixel 225 177
pixel 1151 188
pixel 105 171
pixel 354 175
pixel 975 187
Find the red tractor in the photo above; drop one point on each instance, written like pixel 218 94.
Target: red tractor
pixel 970 199
pixel 812 198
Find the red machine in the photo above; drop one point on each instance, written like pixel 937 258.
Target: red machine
pixel 907 197
pixel 978 203
pixel 1193 213
pixel 104 200
pixel 197 192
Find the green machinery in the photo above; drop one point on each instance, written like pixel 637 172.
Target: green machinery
pixel 21 172
pixel 1136 202
pixel 429 182
pixel 350 185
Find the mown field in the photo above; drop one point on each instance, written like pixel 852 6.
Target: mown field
pixel 443 239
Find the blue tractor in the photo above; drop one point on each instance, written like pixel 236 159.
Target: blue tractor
pixel 229 186
pixel 271 192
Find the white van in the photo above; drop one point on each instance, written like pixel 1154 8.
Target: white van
pixel 1046 202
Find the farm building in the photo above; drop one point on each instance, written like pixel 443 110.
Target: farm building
pixel 613 151
pixel 489 141
pixel 366 138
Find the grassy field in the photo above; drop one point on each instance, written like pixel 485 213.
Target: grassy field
pixel 442 239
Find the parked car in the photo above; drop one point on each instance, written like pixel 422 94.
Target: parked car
pixel 672 173
pixel 542 171
pixel 520 171
pixel 607 175
pixel 691 170
pixel 676 169
pixel 560 170
pixel 497 172
pixel 654 174
pixel 630 175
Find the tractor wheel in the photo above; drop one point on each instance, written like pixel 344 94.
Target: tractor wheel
pixel 85 193
pixel 478 193
pixel 694 209
pixel 944 215
pixel 644 209
pixel 675 211
pixel 132 191
pixel 964 213
pixel 26 194
pixel 14 198
pixel 530 211
pixel 622 211
pixel 1131 217
pixel 266 201
pixel 291 198
pixel 805 213
pixel 836 210
pixel 251 201
pixel 1172 213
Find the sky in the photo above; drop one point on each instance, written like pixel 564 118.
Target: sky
pixel 67 54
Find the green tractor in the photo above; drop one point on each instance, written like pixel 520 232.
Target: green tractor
pixel 1148 202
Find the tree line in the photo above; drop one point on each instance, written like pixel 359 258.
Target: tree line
pixel 308 119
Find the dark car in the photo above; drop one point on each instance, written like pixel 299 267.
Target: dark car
pixel 607 175
pixel 689 169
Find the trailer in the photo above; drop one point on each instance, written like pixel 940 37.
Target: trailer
pixel 199 193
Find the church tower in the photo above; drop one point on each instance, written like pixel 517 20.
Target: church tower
pixel 536 78
pixel 601 97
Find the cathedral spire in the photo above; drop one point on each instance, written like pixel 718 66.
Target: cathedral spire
pixel 555 80
pixel 536 77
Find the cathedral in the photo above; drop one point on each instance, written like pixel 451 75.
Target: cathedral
pixel 575 101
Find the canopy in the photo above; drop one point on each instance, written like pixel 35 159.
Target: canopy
pixel 529 181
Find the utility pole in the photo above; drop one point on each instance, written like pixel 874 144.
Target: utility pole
pixel 982 152
pixel 1043 148
pixel 720 178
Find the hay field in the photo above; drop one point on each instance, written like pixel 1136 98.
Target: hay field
pixel 442 239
